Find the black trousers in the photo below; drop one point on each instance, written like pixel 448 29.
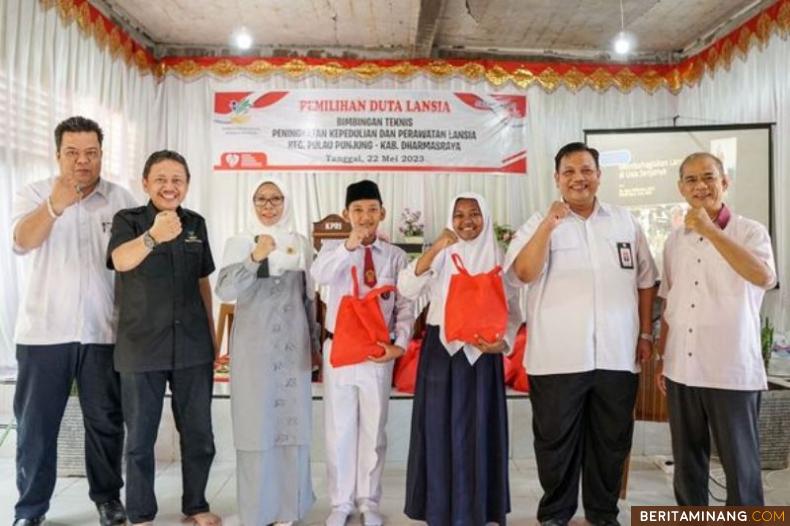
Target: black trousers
pixel 44 379
pixel 583 425
pixel 143 398
pixel 696 413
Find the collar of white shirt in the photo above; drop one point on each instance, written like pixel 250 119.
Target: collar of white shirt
pixel 102 190
pixel 598 208
pixel 377 245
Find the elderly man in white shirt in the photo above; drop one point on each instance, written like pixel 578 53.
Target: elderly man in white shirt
pixel 716 271
pixel 66 325
pixel 591 283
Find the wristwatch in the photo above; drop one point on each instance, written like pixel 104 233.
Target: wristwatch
pixel 149 241
pixel 646 336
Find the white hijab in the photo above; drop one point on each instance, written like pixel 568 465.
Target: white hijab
pixel 479 255
pixel 292 251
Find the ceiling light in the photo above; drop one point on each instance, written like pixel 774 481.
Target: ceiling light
pixel 242 39
pixel 622 44
pixel 624 41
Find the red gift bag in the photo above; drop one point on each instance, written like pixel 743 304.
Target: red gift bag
pixel 518 378
pixel 476 305
pixel 404 377
pixel 359 326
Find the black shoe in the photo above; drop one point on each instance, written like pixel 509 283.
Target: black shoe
pixel 35 521
pixel 554 522
pixel 111 513
pixel 604 522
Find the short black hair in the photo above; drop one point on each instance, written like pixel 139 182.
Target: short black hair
pixel 702 155
pixel 165 155
pixel 77 124
pixel 573 147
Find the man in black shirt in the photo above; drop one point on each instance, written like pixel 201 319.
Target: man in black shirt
pixel 165 335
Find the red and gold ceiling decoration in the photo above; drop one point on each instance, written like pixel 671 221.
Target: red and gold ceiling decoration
pixel 755 33
pixel 106 33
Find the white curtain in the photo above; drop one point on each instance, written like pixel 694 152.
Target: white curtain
pixel 49 72
pixel 757 90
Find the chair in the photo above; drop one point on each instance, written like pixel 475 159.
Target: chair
pixel 226 313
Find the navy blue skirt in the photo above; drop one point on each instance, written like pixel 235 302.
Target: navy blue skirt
pixel 458 454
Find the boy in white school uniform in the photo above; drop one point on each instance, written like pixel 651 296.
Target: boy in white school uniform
pixel 356 397
pixel 716 272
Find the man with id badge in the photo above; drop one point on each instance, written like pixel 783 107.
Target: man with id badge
pixel 591 284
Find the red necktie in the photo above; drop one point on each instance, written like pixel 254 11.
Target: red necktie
pixel 370 270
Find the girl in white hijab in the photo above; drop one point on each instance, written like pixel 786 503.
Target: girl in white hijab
pixel 266 270
pixel 458 453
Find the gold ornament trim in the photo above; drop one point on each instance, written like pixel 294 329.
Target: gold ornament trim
pixel 105 33
pixel 757 32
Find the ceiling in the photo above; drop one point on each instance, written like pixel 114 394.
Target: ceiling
pixel 666 30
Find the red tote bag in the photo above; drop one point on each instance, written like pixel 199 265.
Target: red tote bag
pixel 476 305
pixel 359 326
pixel 519 379
pixel 404 377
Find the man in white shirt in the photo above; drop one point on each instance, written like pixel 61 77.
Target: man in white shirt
pixel 66 325
pixel 716 271
pixel 591 283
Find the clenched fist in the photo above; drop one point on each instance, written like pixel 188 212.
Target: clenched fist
pixel 698 220
pixel 263 247
pixel 358 235
pixel 167 226
pixel 445 239
pixel 556 213
pixel 65 192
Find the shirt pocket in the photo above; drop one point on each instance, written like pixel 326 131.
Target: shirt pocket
pixel 105 228
pixel 565 249
pixel 193 253
pixel 621 252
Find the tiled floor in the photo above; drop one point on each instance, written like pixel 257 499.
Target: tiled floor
pixel 648 484
pixel 70 506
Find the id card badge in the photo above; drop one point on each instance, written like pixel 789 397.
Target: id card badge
pixel 626 255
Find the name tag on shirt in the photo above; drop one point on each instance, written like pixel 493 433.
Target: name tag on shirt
pixel 625 254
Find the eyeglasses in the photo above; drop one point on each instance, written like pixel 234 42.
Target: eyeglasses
pixel 275 201
pixel 708 179
pixel 73 155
